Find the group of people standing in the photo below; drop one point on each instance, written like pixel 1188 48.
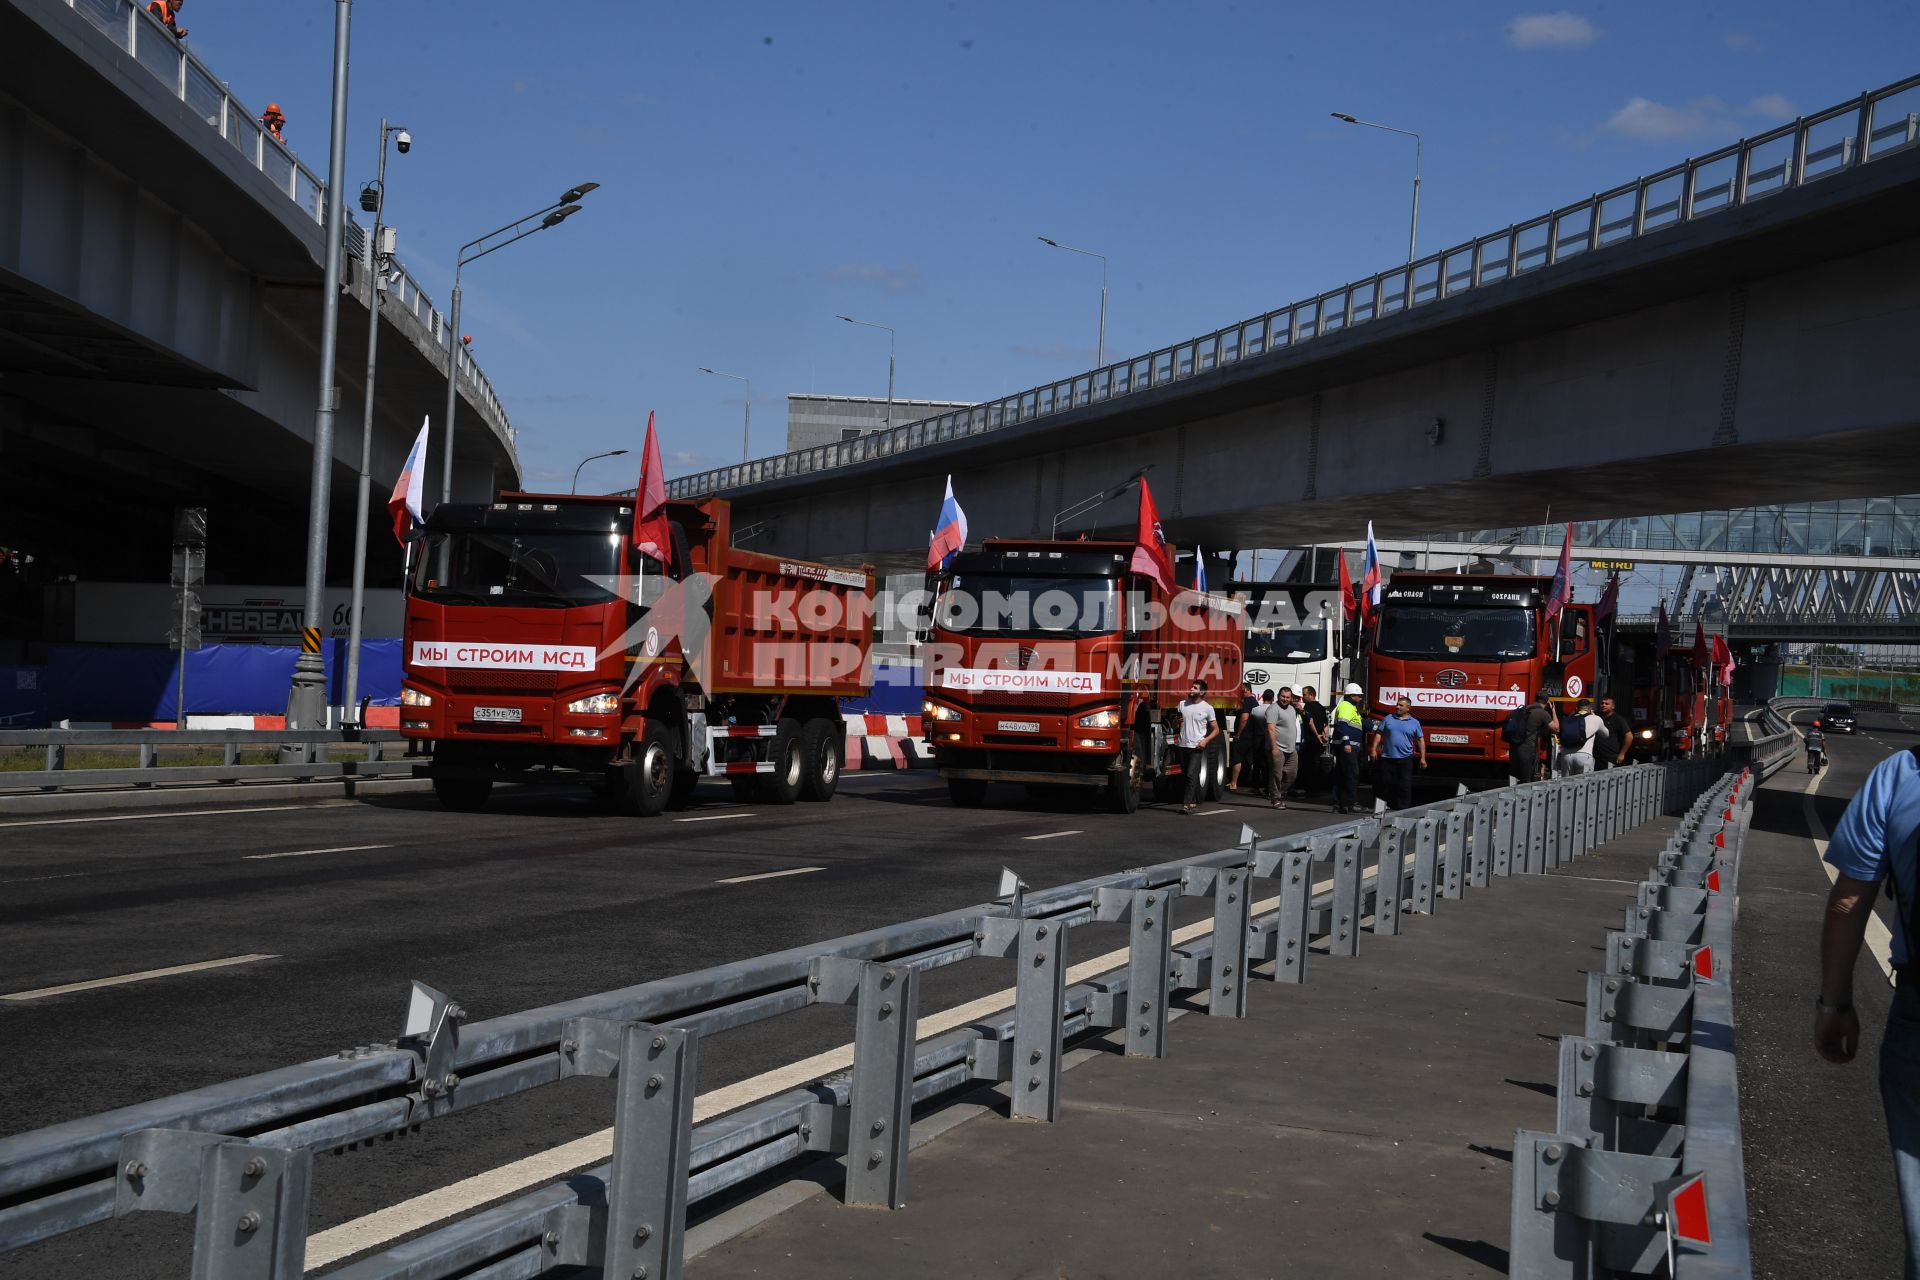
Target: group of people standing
pixel 1284 741
pixel 1539 738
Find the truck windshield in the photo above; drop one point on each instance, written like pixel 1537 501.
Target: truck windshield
pixel 524 567
pixel 1415 631
pixel 1013 604
pixel 1286 646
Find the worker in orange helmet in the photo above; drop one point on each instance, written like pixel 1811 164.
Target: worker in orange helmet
pixel 166 10
pixel 275 120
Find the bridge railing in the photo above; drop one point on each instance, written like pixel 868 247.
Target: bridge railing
pixel 315 754
pixel 241 1151
pixel 146 39
pixel 1644 1172
pixel 1879 123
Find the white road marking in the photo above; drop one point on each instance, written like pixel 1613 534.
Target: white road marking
pixel 67 875
pixel 307 853
pixel 1208 813
pixel 384 1225
pixel 714 817
pixel 143 817
pixel 1053 835
pixel 769 875
pixel 142 976
pixel 1879 939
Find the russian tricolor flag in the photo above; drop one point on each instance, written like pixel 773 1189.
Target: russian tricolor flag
pixel 405 504
pixel 949 533
pixel 1370 579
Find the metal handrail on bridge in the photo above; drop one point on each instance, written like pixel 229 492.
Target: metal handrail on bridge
pixel 146 39
pixel 1810 148
pixel 240 1152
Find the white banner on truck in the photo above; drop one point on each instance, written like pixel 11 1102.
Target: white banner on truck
pixel 1461 699
pixel 995 680
pixel 485 655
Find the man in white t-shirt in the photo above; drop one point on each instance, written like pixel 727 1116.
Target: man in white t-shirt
pixel 1578 734
pixel 1198 729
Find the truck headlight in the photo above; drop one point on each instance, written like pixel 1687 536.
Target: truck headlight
pixel 1101 720
pixel 934 711
pixel 1646 733
pixel 599 704
pixel 411 697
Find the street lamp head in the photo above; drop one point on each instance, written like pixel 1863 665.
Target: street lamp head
pixel 618 453
pixel 574 194
pixel 403 141
pixel 1341 115
pixel 848 319
pixel 704 369
pixel 559 215
pixel 1049 240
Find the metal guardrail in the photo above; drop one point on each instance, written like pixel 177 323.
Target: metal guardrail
pixel 1811 148
pixel 146 39
pixel 1644 1169
pixel 314 747
pixel 239 1154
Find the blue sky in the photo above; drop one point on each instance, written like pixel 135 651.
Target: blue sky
pixel 765 166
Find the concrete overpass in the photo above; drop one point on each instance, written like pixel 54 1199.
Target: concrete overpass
pixel 1735 330
pixel 161 263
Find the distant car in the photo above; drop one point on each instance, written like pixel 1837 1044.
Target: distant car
pixel 1837 717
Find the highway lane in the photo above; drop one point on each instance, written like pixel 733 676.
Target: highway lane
pixel 539 898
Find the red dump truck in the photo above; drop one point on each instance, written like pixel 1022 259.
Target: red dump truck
pixel 1050 664
pixel 1467 649
pixel 540 646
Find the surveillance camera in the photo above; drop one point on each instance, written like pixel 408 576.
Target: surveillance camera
pixel 404 141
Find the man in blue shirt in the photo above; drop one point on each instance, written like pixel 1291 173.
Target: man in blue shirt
pixel 1397 742
pixel 1877 837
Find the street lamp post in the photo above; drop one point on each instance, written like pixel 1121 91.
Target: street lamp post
pixel 869 324
pixel 746 420
pixel 611 453
pixel 1413 233
pixel 307 699
pixel 376 269
pixel 1100 360
pixel 551 216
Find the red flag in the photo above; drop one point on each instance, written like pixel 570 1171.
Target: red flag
pixel 1701 654
pixel 1151 554
pixel 651 534
pixel 1346 588
pixel 1723 660
pixel 1609 601
pixel 1561 592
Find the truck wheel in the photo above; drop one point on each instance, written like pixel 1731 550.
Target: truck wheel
pixel 967 793
pixel 788 755
pixel 649 775
pixel 1214 784
pixel 1123 784
pixel 822 755
pixel 463 795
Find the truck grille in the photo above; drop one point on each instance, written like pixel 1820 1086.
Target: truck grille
pixel 520 682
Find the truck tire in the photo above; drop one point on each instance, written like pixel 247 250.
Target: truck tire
pixel 1123 783
pixel 649 776
pixel 821 752
pixel 788 755
pixel 463 795
pixel 967 793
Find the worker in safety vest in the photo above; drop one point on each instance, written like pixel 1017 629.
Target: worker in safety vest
pixel 166 10
pixel 275 120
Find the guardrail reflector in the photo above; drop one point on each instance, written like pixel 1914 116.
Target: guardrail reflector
pixel 1703 962
pixel 1726 814
pixel 1720 838
pixel 1687 1212
pixel 1713 880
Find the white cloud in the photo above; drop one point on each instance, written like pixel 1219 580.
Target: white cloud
pixel 1561 30
pixel 1772 106
pixel 1644 120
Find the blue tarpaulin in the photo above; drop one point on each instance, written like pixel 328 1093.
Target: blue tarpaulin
pixel 136 682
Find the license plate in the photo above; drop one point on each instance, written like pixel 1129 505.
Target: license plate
pixel 1451 739
pixel 502 715
pixel 1019 726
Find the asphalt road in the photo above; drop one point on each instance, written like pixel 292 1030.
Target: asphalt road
pixel 541 897
pixel 1820 1188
